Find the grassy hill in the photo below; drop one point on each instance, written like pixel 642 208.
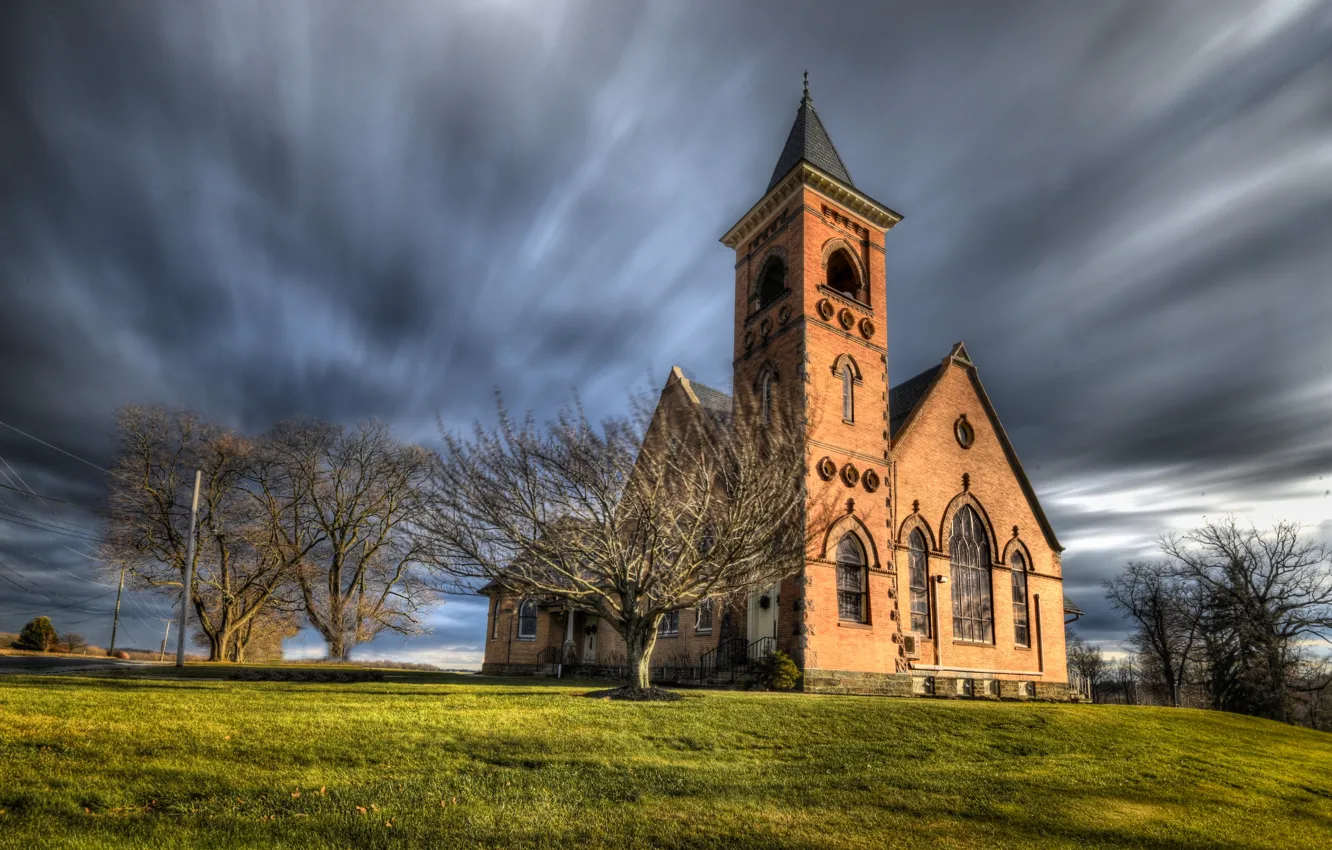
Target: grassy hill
pixel 426 760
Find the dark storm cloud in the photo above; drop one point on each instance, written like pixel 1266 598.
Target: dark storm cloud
pixel 351 210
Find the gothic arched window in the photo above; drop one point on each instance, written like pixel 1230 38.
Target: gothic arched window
pixel 920 594
pixel 973 603
pixel 842 275
pixel 772 281
pixel 848 392
pixel 852 581
pixel 765 391
pixel 1021 622
pixel 527 620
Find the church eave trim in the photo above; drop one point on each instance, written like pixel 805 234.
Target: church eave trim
pixel 805 174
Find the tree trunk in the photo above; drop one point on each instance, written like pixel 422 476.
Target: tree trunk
pixel 638 645
pixel 1277 676
pixel 217 647
pixel 338 649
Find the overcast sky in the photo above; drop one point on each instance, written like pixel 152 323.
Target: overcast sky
pixel 346 210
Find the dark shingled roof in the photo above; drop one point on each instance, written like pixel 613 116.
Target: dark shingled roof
pixel 903 398
pixel 717 404
pixel 809 141
pixel 1071 607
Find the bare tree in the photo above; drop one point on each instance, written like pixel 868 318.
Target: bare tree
pixel 1312 691
pixel 346 511
pixel 1166 611
pixel 1125 674
pixel 631 519
pixel 260 639
pixel 1265 593
pixel 1087 662
pixel 235 575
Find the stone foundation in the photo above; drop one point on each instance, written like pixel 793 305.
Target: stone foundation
pixel 942 687
pixel 851 682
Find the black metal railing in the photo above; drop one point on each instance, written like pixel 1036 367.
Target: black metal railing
pixel 760 649
pixel 734 658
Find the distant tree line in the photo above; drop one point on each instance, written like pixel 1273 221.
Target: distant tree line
pixel 39 635
pixel 1232 618
pixel 309 522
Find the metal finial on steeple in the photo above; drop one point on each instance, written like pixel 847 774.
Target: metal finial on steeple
pixel 806 98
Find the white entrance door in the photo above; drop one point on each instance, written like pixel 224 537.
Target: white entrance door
pixel 590 644
pixel 762 620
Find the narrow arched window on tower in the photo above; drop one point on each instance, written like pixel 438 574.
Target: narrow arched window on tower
pixel 848 392
pixel 842 276
pixel 772 281
pixel 973 603
pixel 765 397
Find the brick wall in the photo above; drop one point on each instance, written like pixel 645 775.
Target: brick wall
pixel 930 464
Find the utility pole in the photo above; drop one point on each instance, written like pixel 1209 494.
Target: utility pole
pixel 162 655
pixel 115 624
pixel 189 575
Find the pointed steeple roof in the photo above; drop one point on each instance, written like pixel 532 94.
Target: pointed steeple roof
pixel 809 141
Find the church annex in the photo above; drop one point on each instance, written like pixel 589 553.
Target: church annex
pixel 942 574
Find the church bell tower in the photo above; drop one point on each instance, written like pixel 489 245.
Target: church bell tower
pixel 811 338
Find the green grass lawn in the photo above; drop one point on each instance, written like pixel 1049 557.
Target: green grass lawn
pixel 451 761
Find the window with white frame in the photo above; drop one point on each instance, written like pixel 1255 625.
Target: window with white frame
pixel 852 582
pixel 494 619
pixel 527 620
pixel 669 625
pixel 920 594
pixel 1021 623
pixel 973 603
pixel 703 617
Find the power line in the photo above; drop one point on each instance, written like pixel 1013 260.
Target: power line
pixel 25 521
pixel 16 475
pixel 62 451
pixel 32 495
pixel 37 590
pixel 81 578
pixel 52 602
pixel 55 522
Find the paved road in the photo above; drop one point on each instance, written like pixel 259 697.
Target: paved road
pixel 56 663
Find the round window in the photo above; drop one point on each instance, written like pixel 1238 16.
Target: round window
pixel 965 435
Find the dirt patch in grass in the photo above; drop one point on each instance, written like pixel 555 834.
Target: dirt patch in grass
pixel 636 694
pixel 278 675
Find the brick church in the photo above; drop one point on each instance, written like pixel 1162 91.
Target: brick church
pixel 942 575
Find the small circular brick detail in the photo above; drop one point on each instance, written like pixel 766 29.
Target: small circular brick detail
pixel 825 309
pixel 784 314
pixel 846 319
pixel 827 469
pixel 850 475
pixel 866 328
pixel 765 327
pixel 963 431
pixel 749 341
pixel 871 480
